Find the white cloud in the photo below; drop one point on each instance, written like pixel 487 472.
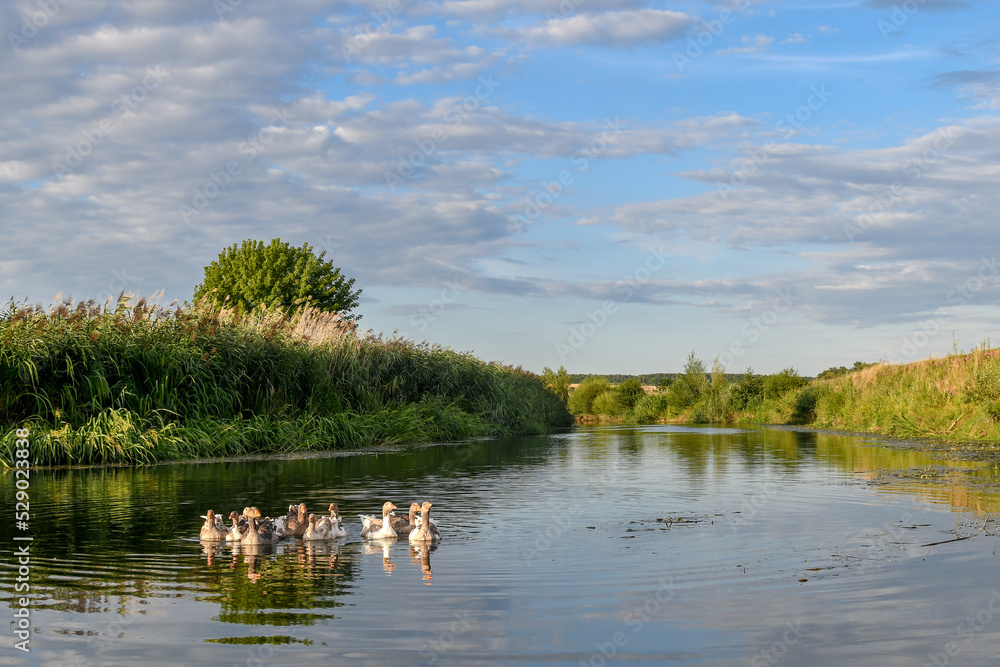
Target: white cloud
pixel 612 29
pixel 414 97
pixel 753 44
pixel 228 124
pixel 489 8
pixel 983 86
pixel 890 221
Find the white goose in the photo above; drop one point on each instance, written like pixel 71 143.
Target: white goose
pixel 314 533
pixel 240 526
pixel 333 523
pixel 378 528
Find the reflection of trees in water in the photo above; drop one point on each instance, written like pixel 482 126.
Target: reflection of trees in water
pixel 97 599
pixel 106 540
pixel 242 580
pixel 127 509
pixel 713 450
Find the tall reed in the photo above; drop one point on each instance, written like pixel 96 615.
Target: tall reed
pixel 131 381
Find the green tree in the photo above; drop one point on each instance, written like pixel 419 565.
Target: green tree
pixel 650 408
pixel 689 386
pixel 748 390
pixel 836 371
pixel 581 401
pixel 278 275
pixel 629 392
pixel 778 384
pixel 557 381
pixel 608 403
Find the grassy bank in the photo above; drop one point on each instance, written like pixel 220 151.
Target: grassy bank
pixel 956 398
pixel 138 383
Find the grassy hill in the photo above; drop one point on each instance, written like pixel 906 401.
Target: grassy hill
pixel 956 397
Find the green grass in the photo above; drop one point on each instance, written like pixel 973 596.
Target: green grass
pixel 954 398
pixel 136 383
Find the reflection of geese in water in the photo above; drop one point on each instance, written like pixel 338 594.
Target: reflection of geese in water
pixel 383 546
pixel 319 559
pixel 329 552
pixel 251 556
pixel 420 552
pixel 210 548
pixel 328 547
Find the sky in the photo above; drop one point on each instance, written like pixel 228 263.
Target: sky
pixel 604 185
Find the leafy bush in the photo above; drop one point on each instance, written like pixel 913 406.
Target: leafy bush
pixel 688 387
pixel 804 410
pixel 608 404
pixel 557 382
pixel 748 391
pixel 837 371
pixel 629 393
pixel 649 408
pixel 779 384
pixel 582 399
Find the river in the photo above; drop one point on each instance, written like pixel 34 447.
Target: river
pixel 606 544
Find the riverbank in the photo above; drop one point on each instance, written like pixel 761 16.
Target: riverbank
pixel 138 383
pixel 955 399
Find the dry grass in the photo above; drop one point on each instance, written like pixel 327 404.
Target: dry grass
pixel 952 397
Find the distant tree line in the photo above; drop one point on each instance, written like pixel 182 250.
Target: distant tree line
pixel 697 393
pixel 836 371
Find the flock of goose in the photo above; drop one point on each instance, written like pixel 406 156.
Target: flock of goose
pixel 251 529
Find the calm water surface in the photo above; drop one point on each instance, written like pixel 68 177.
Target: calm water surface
pixel 653 545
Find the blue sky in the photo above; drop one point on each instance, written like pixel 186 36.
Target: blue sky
pixel 600 184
